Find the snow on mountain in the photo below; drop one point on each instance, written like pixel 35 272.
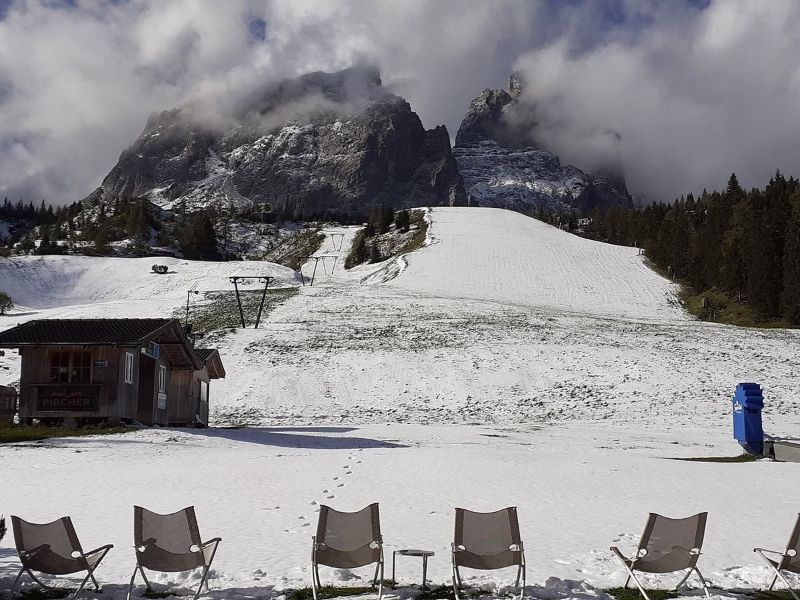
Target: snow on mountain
pixel 507 363
pixel 503 165
pixel 498 255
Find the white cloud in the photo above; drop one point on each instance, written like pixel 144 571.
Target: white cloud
pixel 695 94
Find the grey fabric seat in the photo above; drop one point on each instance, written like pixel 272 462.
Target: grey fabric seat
pixel 347 540
pixel 487 541
pixel 170 544
pixel 54 549
pixel 788 560
pixel 667 546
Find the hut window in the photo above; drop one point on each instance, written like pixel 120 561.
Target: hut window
pixel 128 367
pixel 162 379
pixel 71 367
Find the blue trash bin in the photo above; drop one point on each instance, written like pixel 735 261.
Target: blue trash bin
pixel 748 400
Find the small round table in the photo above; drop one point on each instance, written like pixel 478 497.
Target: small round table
pixel 413 552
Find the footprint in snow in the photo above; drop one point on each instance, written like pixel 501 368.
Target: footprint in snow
pixel 340 485
pixel 325 491
pixel 336 479
pixel 348 473
pixel 331 497
pixel 301 517
pixel 346 467
pixel 313 503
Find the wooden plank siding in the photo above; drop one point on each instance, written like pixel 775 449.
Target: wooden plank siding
pixel 73 393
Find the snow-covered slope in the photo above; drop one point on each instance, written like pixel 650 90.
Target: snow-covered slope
pixel 59 281
pixel 506 363
pixel 500 255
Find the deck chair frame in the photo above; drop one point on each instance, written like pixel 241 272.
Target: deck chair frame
pixel 92 558
pixel 516 547
pixel 784 560
pixel 375 544
pixel 693 553
pixel 207 550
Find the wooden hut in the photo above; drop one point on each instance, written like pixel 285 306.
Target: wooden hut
pixel 77 371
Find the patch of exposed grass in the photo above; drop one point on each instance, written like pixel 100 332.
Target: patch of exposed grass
pixel 632 593
pixel 440 592
pixel 330 591
pixel 219 311
pixel 40 594
pixel 773 595
pixel 721 307
pixel 742 458
pixel 34 433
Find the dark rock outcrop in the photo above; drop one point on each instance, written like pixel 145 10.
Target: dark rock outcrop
pixel 321 144
pixel 503 166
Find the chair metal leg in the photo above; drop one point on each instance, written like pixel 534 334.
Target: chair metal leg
pixel 82 585
pixel 788 585
pixel 39 583
pixel 627 581
pixel 777 574
pixel 772 585
pixel 315 582
pixel 684 580
pixel 380 581
pixel 16 581
pixel 456 581
pixel 202 581
pixel 703 582
pixel 130 586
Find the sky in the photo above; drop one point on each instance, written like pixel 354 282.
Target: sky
pixel 696 89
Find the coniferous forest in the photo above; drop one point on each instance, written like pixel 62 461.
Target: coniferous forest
pixel 741 246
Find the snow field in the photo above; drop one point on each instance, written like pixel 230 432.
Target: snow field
pixel 579 490
pixel 508 363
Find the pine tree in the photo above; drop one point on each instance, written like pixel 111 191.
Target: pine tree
pixel 6 304
pixel 790 296
pixel 403 221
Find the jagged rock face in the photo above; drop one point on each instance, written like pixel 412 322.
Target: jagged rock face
pixel 325 143
pixel 502 166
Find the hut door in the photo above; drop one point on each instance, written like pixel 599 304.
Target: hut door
pixel 145 407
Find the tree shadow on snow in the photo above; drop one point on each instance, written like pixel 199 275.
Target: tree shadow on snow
pixel 294 437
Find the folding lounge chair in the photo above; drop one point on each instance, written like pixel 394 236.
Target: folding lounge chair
pixel 667 545
pixel 487 541
pixel 54 549
pixel 347 540
pixel 788 559
pixel 170 544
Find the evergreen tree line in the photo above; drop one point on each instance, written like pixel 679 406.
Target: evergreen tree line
pixel 743 243
pixel 365 245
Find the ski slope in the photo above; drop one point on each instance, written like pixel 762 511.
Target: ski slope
pixel 503 256
pixel 504 363
pixel 41 282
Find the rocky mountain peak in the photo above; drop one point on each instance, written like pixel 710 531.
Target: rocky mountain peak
pixel 503 164
pixel 319 144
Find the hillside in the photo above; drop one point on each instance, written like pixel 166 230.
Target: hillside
pixel 501 256
pixel 498 319
pixel 502 351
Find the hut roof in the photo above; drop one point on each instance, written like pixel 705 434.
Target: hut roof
pixel 85 332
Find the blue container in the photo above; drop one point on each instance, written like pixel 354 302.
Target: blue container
pixel 748 401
